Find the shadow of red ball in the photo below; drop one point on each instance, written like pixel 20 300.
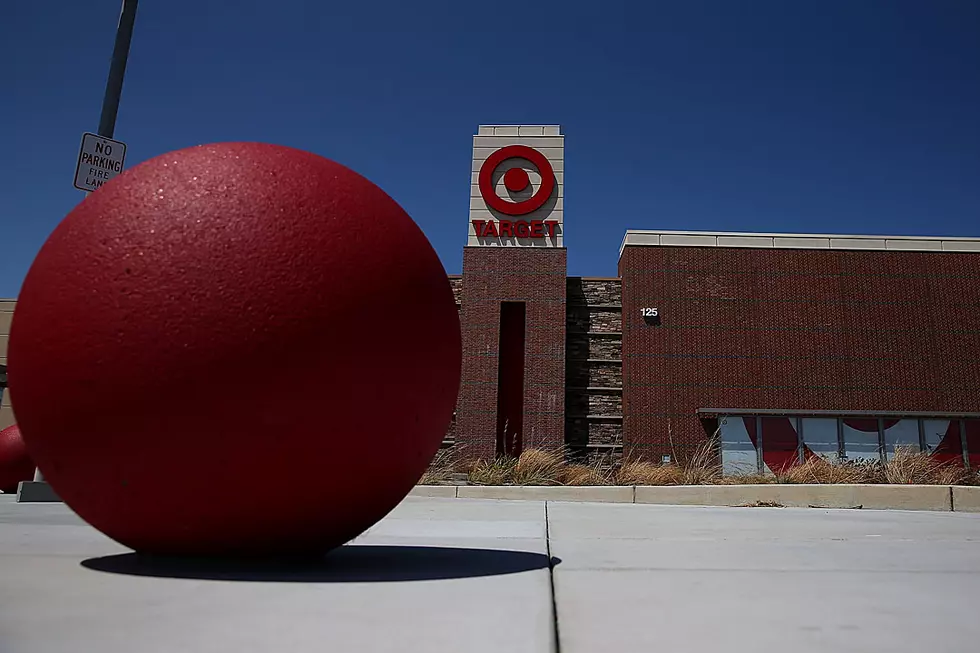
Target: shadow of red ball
pixel 15 461
pixel 235 349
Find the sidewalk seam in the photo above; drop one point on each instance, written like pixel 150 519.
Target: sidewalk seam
pixel 551 579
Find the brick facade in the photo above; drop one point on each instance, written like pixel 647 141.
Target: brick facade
pixel 741 328
pixel 456 281
pixel 793 329
pixel 492 275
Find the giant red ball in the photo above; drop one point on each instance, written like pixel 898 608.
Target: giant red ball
pixel 15 462
pixel 236 348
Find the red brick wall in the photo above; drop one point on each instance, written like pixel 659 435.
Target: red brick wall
pixel 796 330
pixel 492 275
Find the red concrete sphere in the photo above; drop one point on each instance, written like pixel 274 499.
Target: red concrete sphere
pixel 236 348
pixel 15 462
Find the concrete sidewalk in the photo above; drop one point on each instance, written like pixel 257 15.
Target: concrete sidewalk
pixel 473 575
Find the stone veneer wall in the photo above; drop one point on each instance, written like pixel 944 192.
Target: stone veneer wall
pixel 6 316
pixel 593 366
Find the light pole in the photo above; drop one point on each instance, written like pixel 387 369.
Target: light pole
pixel 39 490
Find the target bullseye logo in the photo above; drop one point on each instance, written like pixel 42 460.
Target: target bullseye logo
pixel 516 180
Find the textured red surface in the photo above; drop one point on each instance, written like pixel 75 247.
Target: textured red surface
pixel 15 462
pixel 795 330
pixel 492 275
pixel 235 348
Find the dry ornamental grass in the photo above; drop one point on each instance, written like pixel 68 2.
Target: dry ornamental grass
pixel 538 467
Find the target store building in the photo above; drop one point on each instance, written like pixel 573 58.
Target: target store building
pixel 776 346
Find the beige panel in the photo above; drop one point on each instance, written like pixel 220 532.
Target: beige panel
pixel 6 398
pixel 3 345
pixel 744 241
pixel 857 243
pixel 477 203
pixel 801 243
pixel 6 317
pixel 7 417
pixel 494 143
pixel 641 239
pixel 914 245
pixel 486 130
pixel 687 241
pixel 531 130
pixel 506 130
pixel 535 181
pixel 475 179
pixel 552 130
pixel 553 154
pixel 8 304
pixel 961 246
pixel 548 243
pixel 556 165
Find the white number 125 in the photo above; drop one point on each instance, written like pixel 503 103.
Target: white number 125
pixel 649 312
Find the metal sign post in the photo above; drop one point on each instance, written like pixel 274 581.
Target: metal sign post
pixel 93 168
pixel 38 490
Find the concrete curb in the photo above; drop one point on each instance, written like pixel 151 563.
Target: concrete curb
pixel 942 498
pixel 436 491
pixel 603 493
pixel 875 497
pixel 966 499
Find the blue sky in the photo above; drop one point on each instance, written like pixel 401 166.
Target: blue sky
pixel 829 116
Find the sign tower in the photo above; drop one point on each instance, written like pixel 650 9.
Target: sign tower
pixel 513 307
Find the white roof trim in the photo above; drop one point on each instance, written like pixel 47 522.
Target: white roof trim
pixel 653 238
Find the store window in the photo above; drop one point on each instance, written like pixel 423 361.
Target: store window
pixel 769 444
pixel 780 443
pixel 820 437
pixel 972 432
pixel 902 433
pixel 739 456
pixel 942 439
pixel 861 439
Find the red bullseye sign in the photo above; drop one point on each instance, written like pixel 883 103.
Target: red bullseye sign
pixel 516 180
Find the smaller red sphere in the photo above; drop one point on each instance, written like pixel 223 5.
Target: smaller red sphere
pixel 516 180
pixel 15 463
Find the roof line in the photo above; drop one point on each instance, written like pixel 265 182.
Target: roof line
pixel 750 240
